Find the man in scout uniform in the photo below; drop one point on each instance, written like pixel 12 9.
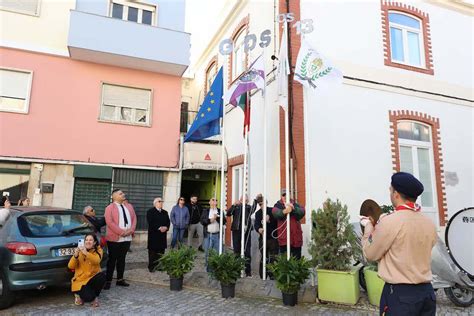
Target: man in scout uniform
pixel 401 242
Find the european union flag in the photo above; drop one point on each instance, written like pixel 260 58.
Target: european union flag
pixel 206 123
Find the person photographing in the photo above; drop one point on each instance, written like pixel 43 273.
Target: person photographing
pixel 88 279
pixel 401 242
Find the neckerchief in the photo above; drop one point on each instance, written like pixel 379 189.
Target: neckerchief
pixel 409 206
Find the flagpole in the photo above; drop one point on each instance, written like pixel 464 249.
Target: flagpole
pixel 221 221
pixel 222 197
pixel 287 164
pixel 264 210
pixel 244 181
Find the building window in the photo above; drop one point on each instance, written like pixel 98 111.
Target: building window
pixel 237 179
pixel 15 88
pixel 211 73
pixel 238 58
pixel 416 148
pixel 406 37
pixel 30 7
pixel 126 105
pixel 133 11
pixel 184 117
pixel 416 154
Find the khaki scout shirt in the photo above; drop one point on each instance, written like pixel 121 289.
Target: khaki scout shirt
pixel 402 241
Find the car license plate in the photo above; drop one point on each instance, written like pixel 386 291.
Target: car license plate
pixel 65 252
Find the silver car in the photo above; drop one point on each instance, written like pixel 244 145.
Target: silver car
pixel 36 244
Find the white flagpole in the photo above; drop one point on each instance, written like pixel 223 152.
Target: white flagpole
pixel 287 165
pixel 221 221
pixel 264 209
pixel 244 189
pixel 222 197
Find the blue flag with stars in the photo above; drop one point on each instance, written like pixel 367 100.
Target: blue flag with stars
pixel 207 121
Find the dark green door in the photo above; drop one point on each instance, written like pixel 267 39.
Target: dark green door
pixel 91 192
pixel 140 187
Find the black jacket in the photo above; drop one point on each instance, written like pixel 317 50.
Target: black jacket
pixel 236 212
pixel 195 212
pixel 206 221
pixel 156 219
pixel 98 222
pixel 271 226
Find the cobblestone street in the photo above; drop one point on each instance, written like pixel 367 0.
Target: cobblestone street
pixel 141 298
pixel 149 294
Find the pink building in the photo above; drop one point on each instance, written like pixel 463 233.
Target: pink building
pixel 95 108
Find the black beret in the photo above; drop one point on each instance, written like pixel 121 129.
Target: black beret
pixel 407 184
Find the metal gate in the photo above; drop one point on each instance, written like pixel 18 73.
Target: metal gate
pixel 91 192
pixel 140 187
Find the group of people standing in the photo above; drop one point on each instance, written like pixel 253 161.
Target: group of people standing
pixel 192 217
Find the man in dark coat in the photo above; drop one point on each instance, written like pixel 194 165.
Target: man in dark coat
pixel 270 234
pixel 236 212
pixel 158 226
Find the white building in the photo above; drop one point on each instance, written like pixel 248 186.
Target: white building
pixel 406 102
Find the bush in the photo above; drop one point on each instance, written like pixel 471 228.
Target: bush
pixel 334 243
pixel 290 274
pixel 177 262
pixel 226 267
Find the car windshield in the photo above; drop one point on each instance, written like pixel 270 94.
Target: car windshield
pixel 55 224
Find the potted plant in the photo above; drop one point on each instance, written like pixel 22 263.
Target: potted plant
pixel 225 268
pixel 289 275
pixel 374 284
pixel 333 248
pixel 177 263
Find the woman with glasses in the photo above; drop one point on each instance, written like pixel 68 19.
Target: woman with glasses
pixel 180 220
pixel 158 226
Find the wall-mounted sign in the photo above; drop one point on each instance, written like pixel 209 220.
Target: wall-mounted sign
pixel 226 46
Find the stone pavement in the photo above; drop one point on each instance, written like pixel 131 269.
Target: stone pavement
pixel 147 299
pixel 256 288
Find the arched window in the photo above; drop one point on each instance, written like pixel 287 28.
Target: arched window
pixel 416 157
pixel 239 59
pixel 406 39
pixel 211 74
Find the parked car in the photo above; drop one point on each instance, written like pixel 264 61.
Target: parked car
pixel 36 244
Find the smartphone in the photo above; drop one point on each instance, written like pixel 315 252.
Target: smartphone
pixel 80 243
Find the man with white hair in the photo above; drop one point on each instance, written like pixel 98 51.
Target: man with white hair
pixel 89 213
pixel 158 226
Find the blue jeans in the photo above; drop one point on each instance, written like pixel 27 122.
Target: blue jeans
pixel 211 242
pixel 178 234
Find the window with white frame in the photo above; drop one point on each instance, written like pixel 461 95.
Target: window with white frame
pixel 416 157
pixel 237 178
pixel 30 7
pixel 15 88
pixel 238 57
pixel 125 104
pixel 406 39
pixel 133 11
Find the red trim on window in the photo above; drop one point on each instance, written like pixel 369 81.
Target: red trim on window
pixel 243 26
pixel 395 117
pixel 234 161
pixel 425 22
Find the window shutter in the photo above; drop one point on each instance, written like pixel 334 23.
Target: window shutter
pixel 14 84
pixel 23 6
pixel 126 97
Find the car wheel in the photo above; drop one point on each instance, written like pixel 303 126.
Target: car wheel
pixel 6 296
